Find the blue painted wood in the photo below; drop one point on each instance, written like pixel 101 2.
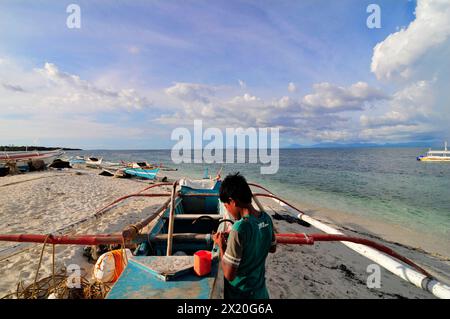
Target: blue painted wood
pixel 137 282
pixel 143 173
pixel 140 280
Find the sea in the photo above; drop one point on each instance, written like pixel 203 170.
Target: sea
pixel 385 184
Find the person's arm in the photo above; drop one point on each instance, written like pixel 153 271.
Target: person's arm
pixel 230 253
pixel 273 245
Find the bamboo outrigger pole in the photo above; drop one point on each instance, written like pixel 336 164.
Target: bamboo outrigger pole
pixel 418 279
pixel 171 219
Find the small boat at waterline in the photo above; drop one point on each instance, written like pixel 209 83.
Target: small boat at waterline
pixel 93 162
pixel 142 172
pixel 22 159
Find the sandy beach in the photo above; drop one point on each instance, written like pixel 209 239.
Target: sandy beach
pixel 47 202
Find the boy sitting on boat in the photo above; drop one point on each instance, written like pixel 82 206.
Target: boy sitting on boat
pixel 250 240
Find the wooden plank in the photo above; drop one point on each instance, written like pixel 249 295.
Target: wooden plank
pixel 195 216
pixel 181 237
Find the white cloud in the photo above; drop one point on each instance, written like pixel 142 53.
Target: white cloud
pixel 416 58
pixel 191 92
pixel 242 84
pixel 292 116
pixel 291 87
pixel 245 99
pixel 403 51
pixel 331 98
pixel 408 106
pixel 49 104
pixel 392 118
pixel 48 89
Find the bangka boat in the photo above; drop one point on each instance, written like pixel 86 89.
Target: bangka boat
pixel 93 162
pixel 146 165
pixel 162 265
pixel 435 156
pixel 21 159
pixel 77 160
pixel 162 262
pixel 139 165
pixel 142 172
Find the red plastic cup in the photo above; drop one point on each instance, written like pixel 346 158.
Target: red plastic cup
pixel 202 262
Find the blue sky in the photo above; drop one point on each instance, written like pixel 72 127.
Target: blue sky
pixel 136 70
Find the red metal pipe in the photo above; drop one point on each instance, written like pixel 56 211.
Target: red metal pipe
pixel 155 185
pixel 128 196
pixel 259 186
pixel 65 239
pixel 298 239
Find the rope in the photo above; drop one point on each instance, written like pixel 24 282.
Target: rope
pixel 39 266
pixel 53 265
pixel 57 285
pixel 42 288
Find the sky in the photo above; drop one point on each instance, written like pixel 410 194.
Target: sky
pixel 136 70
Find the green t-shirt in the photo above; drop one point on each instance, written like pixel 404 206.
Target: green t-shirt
pixel 248 245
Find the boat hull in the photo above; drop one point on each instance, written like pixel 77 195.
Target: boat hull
pixel 22 159
pixel 433 159
pixel 93 163
pixel 142 173
pixel 150 274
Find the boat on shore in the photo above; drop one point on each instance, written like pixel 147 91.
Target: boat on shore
pixel 435 156
pixel 162 265
pixel 77 160
pixel 22 159
pixel 142 172
pixel 146 165
pixel 93 162
pixel 160 249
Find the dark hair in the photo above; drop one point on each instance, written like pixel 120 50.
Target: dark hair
pixel 235 186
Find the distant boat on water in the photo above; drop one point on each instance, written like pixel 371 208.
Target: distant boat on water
pixel 435 156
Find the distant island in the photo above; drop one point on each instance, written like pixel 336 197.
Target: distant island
pixel 12 148
pixel 365 145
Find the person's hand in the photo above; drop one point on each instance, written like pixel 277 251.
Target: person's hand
pixel 220 239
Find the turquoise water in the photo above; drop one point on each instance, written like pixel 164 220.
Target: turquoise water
pixel 381 183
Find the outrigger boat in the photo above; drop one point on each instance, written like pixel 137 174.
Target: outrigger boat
pixel 142 172
pixel 146 165
pixel 161 265
pixel 21 159
pixel 77 160
pixel 435 156
pixel 93 162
